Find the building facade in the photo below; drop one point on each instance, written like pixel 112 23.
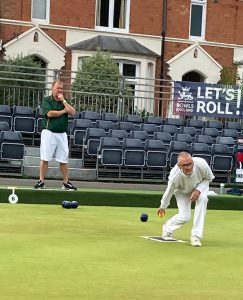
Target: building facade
pixel 195 39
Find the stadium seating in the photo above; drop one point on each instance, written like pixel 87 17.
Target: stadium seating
pixel 133 153
pixel 201 150
pixel 139 134
pixel 189 130
pixel 214 124
pixel 175 148
pixel 222 161
pixel 91 115
pixel 165 137
pixel 6 114
pixel 149 128
pixel 172 129
pixel 12 148
pixel 153 120
pixel 156 154
pixel 174 121
pixel 183 137
pixel 110 117
pixel 198 124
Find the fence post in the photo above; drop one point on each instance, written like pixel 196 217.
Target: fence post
pixel 56 74
pixel 120 96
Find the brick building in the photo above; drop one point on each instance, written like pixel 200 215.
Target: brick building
pixel 196 38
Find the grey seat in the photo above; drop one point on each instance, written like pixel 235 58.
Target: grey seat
pixel 141 135
pixel 6 114
pixel 200 138
pixel 153 120
pixel 230 132
pixel 110 151
pixel 165 137
pixel 92 140
pixel 79 130
pixel 156 154
pixel 214 124
pixel 226 140
pixel 110 117
pixel 107 125
pixel 149 128
pixel 189 130
pixel 133 153
pixel 11 145
pixel 128 126
pixel 175 148
pixel 4 126
pixel 211 131
pixel 201 150
pixel 121 134
pixel 91 115
pixel 233 125
pixel 183 137
pixel 222 159
pixel 23 119
pixel 174 121
pixel 172 129
pixel 197 123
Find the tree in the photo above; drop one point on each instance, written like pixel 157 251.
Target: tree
pixel 98 85
pixel 22 76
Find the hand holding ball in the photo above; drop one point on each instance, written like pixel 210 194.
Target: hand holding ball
pixel 161 213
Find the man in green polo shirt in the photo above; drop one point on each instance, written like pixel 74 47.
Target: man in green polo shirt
pixel 54 141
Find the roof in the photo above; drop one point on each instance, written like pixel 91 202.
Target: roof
pixel 113 44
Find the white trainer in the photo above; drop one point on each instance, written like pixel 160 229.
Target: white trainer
pixel 168 237
pixel 195 241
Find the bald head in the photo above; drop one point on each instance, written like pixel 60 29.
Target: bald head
pixel 185 162
pixel 183 154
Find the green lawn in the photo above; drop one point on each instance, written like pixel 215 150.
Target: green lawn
pixel 48 252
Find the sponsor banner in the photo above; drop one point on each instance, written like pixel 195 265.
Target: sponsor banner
pixel 204 99
pixel 239 175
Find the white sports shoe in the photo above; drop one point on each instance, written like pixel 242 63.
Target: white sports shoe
pixel 195 241
pixel 167 237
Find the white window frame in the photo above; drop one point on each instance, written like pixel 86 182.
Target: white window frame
pixel 111 15
pixel 47 19
pixel 202 3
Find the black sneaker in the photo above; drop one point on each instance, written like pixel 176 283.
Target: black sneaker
pixel 68 186
pixel 39 185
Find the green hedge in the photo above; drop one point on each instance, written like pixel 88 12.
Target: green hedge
pixel 108 197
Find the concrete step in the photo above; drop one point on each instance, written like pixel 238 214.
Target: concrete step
pixel 32 151
pixel 54 173
pixel 35 161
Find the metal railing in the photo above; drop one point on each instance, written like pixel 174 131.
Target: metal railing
pixel 27 86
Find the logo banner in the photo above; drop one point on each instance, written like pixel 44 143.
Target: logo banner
pixel 204 99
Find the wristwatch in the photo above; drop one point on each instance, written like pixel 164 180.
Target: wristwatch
pixel 64 101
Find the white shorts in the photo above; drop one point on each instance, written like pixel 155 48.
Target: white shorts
pixel 54 145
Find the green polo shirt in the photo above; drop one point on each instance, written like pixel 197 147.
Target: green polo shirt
pixel 58 124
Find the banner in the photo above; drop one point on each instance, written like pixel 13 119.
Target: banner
pixel 204 99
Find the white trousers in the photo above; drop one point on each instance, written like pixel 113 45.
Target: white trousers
pixel 184 214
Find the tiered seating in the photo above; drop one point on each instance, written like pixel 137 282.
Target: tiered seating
pixel 11 150
pixel 160 140
pixel 6 114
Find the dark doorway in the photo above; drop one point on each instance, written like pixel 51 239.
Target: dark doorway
pixel 193 77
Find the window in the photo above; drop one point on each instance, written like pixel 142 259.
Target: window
pixel 40 11
pixel 113 15
pixel 198 19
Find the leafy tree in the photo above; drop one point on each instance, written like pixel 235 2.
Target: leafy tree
pixel 98 85
pixel 22 76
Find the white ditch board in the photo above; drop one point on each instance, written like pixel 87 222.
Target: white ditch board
pixel 161 240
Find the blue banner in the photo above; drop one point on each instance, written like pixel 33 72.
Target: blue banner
pixel 204 99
